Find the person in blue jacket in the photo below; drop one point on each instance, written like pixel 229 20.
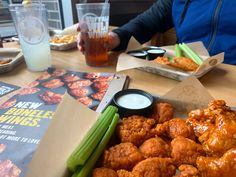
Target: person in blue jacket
pixel 211 21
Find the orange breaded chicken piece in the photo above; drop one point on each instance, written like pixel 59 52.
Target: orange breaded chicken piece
pixel 104 172
pixel 155 167
pixel 155 147
pixel 124 173
pixel 199 127
pixel 215 127
pixel 163 112
pixel 203 120
pixel 215 107
pixel 218 167
pixel 135 129
pixel 184 63
pixel 222 137
pixel 162 60
pixel 185 151
pixel 122 156
pixel 174 128
pixel 5 61
pixel 187 171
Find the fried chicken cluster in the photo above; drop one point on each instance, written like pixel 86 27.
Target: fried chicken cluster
pixel 203 145
pixel 136 129
pixel 182 63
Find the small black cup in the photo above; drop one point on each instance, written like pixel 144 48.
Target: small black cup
pixel 153 53
pixel 138 53
pixel 133 102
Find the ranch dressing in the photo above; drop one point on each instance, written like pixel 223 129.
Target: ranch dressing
pixel 133 101
pixel 138 54
pixel 153 51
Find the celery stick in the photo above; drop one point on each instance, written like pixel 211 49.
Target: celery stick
pixel 191 54
pixel 88 166
pixel 84 151
pixel 89 134
pixel 92 138
pixel 72 160
pixel 87 149
pixel 194 55
pixel 187 52
pixel 178 52
pixel 77 171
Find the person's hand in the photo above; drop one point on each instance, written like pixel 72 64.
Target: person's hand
pixel 112 42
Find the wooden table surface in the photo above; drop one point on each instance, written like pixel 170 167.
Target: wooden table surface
pixel 220 82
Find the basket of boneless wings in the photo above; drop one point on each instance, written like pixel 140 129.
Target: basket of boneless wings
pixel 176 61
pixel 160 144
pixel 187 133
pixel 173 140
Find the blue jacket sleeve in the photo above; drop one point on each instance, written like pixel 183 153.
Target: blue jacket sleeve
pixel 158 18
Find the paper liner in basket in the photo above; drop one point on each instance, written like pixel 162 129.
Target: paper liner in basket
pixel 72 120
pixel 70 123
pixel 186 96
pixel 126 62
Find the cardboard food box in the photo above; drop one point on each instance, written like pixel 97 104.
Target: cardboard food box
pixel 14 54
pixel 72 120
pixel 62 41
pixel 126 62
pixel 63 46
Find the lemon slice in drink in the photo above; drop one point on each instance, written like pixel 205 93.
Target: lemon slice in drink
pixel 26 2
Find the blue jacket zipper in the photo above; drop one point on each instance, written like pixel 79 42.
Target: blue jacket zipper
pixel 186 5
pixel 215 22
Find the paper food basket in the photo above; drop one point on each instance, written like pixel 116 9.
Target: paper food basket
pixel 126 62
pixel 72 120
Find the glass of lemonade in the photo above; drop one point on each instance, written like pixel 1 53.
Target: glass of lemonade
pixel 32 28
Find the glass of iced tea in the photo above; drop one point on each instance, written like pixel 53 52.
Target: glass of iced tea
pixel 94 23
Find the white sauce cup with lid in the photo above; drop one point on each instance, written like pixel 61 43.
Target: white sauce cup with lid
pixel 133 102
pixel 138 54
pixel 153 53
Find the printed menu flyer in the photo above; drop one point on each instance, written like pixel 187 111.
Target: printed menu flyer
pixel 6 88
pixel 25 117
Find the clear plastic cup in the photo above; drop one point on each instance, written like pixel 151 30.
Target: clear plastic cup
pixel 31 24
pixel 94 23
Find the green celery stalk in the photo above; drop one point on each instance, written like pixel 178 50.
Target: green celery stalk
pixel 73 158
pixel 88 166
pixel 92 138
pixel 191 54
pixel 97 136
pixel 178 52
